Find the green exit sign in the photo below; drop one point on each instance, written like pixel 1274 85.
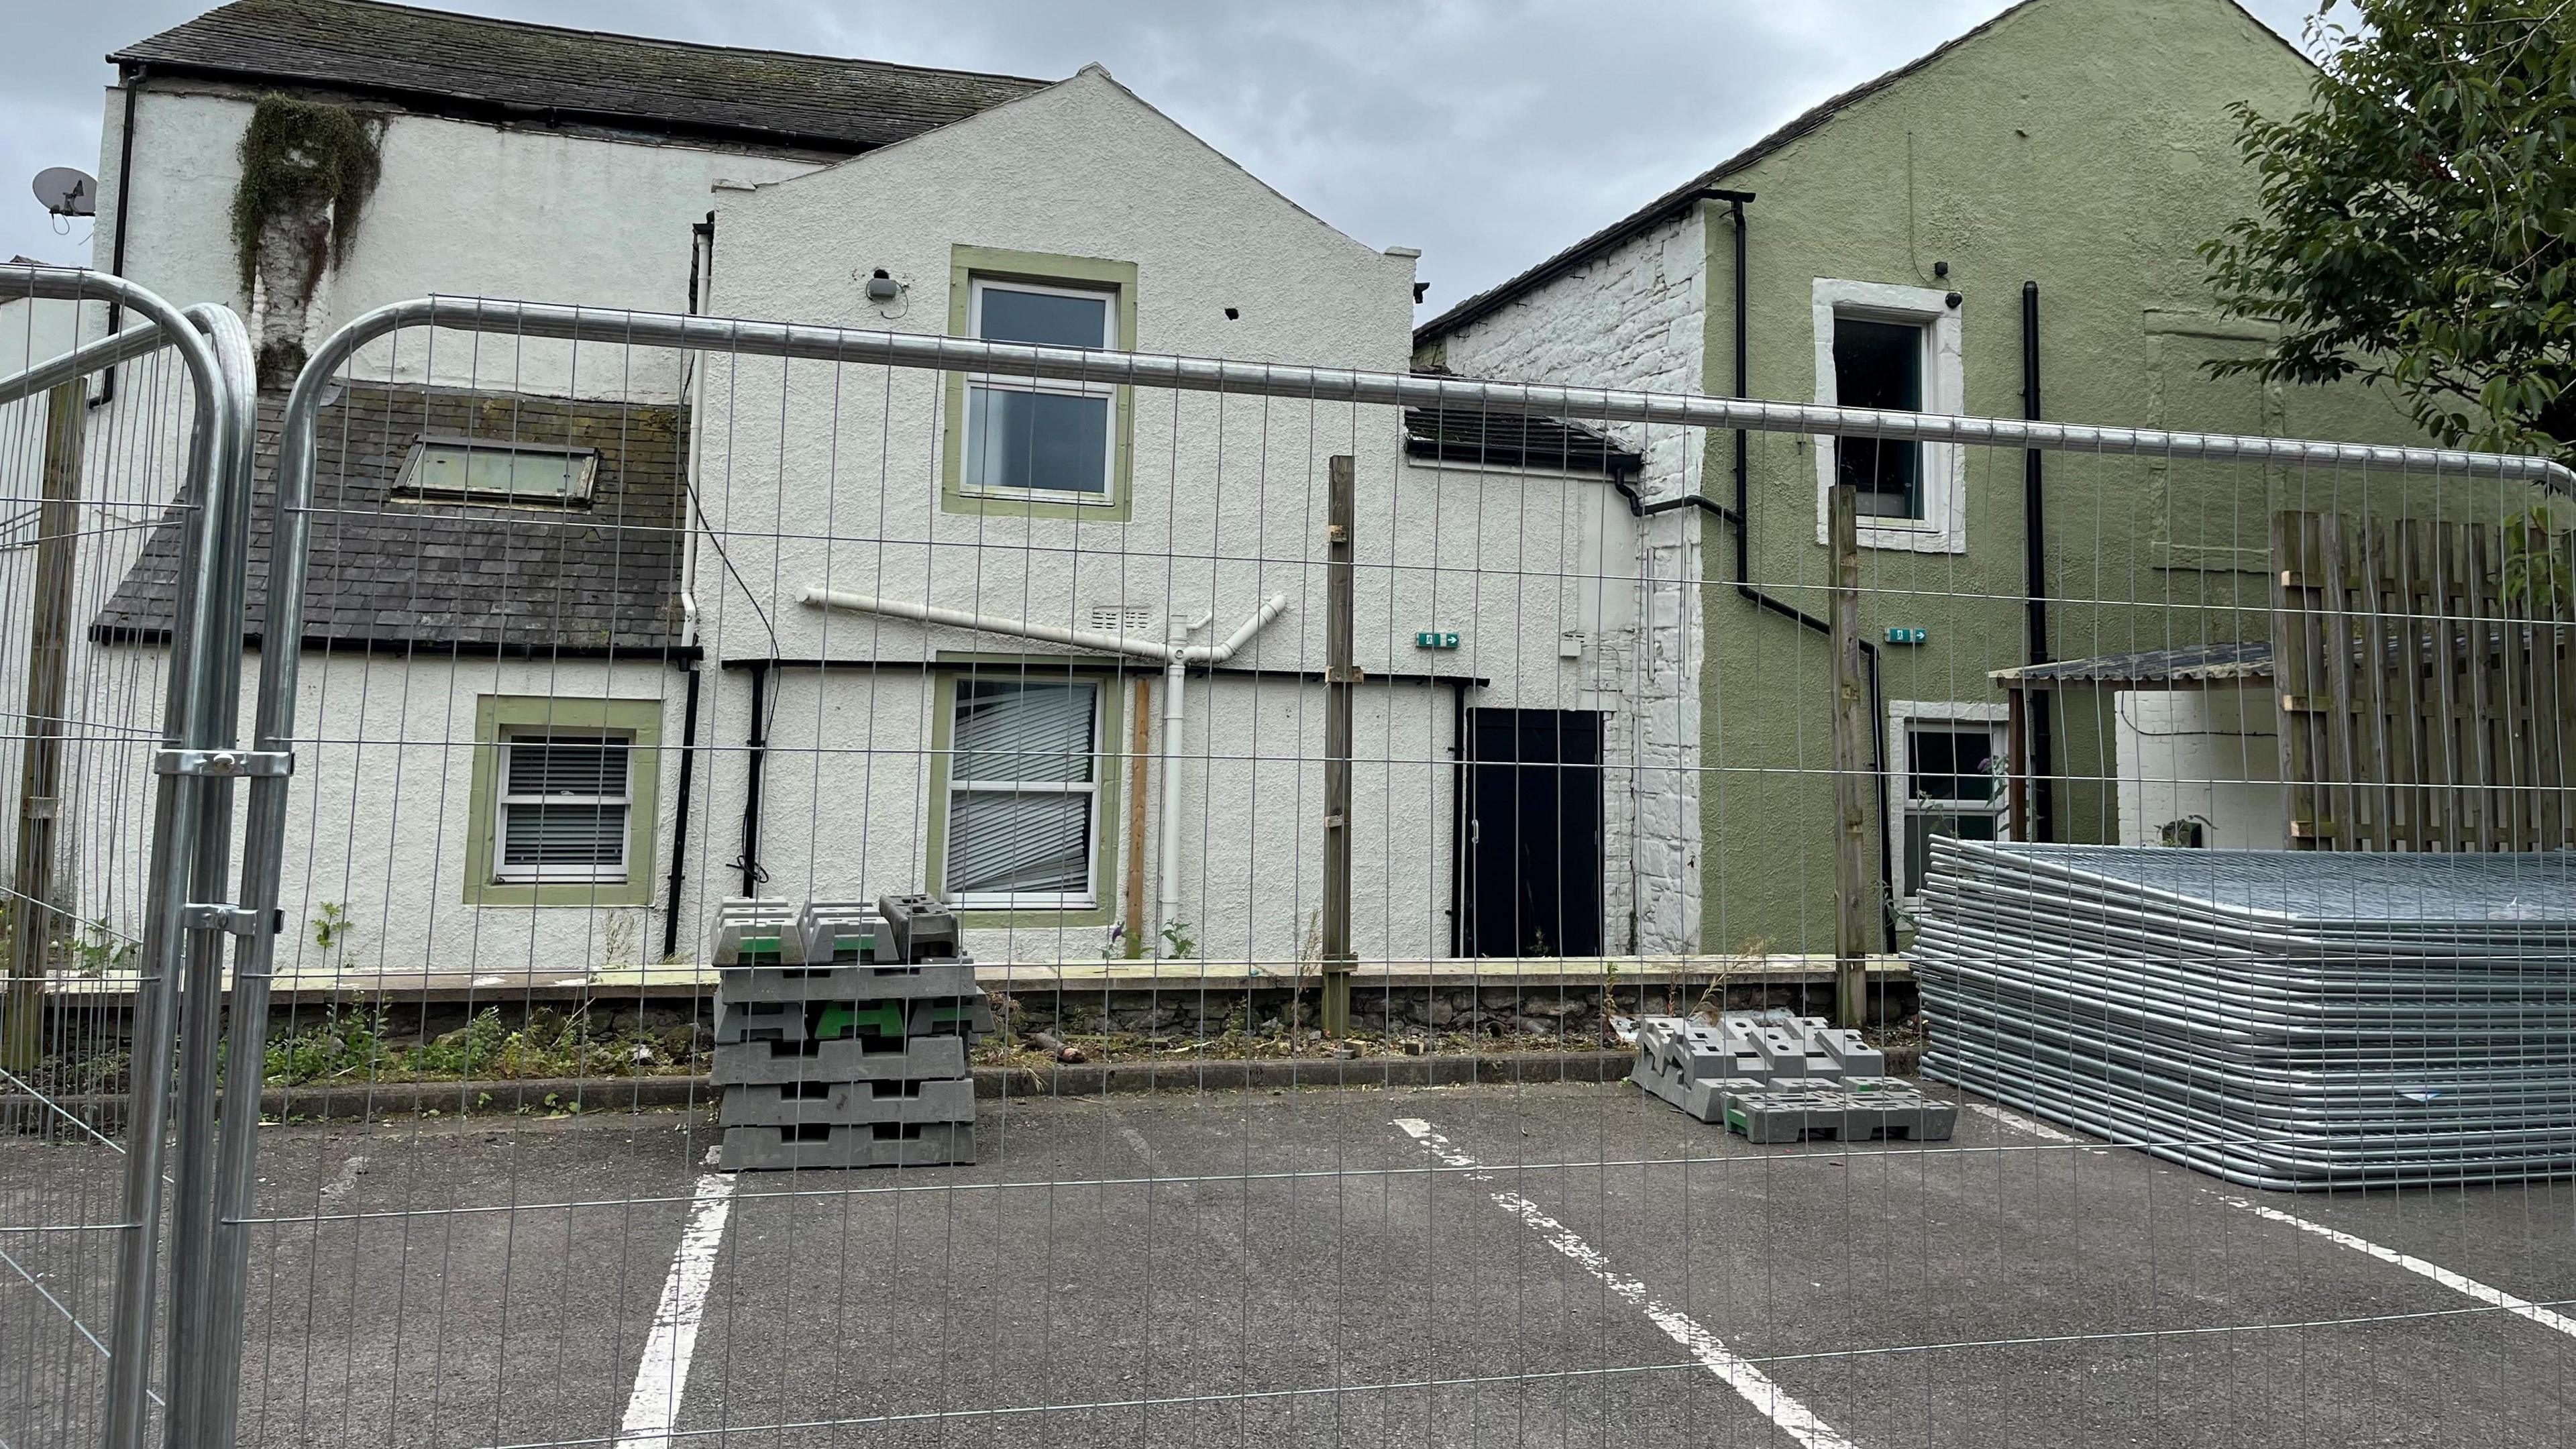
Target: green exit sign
pixel 1906 634
pixel 1435 639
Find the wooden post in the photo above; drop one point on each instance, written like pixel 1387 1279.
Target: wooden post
pixel 1855 893
pixel 1341 517
pixel 1140 748
pixel 31 886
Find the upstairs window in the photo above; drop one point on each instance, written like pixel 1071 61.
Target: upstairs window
pixel 1880 365
pixel 1045 437
pixel 1891 348
pixel 485 470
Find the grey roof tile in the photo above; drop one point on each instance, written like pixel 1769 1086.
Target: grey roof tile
pixel 512 67
pixel 393 571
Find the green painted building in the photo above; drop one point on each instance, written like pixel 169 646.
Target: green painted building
pixel 2066 158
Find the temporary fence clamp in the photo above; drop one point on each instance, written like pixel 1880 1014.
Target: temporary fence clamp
pixel 238 920
pixel 224 764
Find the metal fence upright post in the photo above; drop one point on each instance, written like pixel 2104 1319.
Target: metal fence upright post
pixel 1855 899
pixel 31 923
pixel 179 804
pixel 198 1402
pixel 1341 518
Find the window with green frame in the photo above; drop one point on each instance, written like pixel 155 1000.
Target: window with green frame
pixel 1023 793
pixel 564 796
pixel 1052 447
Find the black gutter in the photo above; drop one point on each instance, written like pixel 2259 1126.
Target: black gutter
pixel 673 654
pixel 680 832
pixel 756 764
pixel 1496 298
pixel 133 79
pixel 2043 789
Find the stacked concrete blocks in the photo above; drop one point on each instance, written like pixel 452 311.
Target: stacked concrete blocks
pixel 841 1035
pixel 1778 1078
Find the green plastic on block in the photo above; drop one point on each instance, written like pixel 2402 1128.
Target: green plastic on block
pixel 841 1019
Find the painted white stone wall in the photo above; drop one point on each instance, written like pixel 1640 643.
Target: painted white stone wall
pixel 463 209
pixel 382 813
pixel 1635 317
pixel 847 811
pixel 823 474
pixel 2206 755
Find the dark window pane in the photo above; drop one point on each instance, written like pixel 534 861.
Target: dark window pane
pixel 1950 764
pixel 1920 830
pixel 1044 319
pixel 1049 440
pixel 1880 365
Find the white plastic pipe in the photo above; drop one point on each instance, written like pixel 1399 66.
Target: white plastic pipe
pixel 1175 653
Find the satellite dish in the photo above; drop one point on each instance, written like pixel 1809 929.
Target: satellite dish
pixel 67 191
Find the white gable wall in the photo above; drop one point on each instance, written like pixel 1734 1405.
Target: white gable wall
pixel 463 208
pixel 811 473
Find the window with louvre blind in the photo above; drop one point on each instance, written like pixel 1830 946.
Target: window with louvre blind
pixel 1023 793
pixel 565 800
pixel 564 804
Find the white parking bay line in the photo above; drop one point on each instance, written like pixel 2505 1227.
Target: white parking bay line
pixel 2461 1284
pixel 1755 1387
pixel 662 1374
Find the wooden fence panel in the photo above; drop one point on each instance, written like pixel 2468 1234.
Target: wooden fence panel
pixel 2427 701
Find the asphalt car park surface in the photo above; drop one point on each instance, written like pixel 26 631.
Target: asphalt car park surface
pixel 1557 1264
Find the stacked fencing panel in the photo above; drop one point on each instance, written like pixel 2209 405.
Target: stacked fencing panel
pixel 2283 1019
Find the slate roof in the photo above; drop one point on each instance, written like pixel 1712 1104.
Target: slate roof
pixel 509 67
pixel 1501 438
pixel 398 572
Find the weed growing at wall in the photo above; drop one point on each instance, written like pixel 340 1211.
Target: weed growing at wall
pixel 297 157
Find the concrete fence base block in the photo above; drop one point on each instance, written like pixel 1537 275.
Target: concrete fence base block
pixel 823 1145
pixel 792 1104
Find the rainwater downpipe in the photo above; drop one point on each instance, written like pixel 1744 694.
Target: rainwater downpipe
pixel 133 79
pixel 2034 529
pixel 702 236
pixel 1176 654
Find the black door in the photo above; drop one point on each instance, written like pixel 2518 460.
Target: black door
pixel 1529 832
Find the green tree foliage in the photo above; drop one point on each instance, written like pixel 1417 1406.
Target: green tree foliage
pixel 2418 217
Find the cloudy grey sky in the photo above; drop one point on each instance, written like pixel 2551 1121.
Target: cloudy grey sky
pixel 1489 133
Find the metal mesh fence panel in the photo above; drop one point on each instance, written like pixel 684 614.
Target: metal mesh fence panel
pixel 1327 790
pixel 116 444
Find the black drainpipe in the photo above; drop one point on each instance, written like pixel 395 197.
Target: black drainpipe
pixel 680 832
pixel 124 208
pixel 1744 547
pixel 2043 790
pixel 756 764
pixel 703 230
